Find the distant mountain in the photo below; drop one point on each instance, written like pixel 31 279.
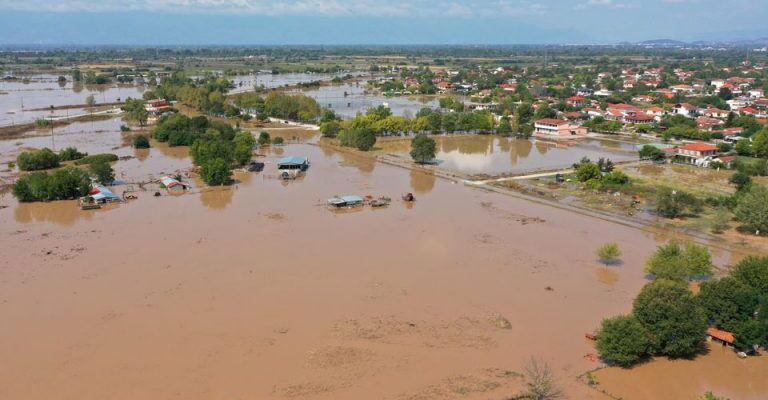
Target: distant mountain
pixel 663 43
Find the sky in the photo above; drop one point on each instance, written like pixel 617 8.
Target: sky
pixel 386 22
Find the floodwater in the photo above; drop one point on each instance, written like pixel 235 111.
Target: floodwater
pixel 720 372
pixel 494 155
pixel 358 100
pixel 245 83
pixel 19 97
pixel 258 291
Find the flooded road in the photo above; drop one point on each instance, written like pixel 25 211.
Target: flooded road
pixel 258 291
pixel 494 155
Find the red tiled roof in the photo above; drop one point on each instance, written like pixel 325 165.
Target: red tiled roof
pixel 698 147
pixel 576 98
pixel 725 336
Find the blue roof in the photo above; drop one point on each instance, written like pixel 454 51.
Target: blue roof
pixel 104 193
pixel 292 161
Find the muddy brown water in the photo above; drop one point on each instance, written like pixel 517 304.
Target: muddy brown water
pixel 258 291
pixel 494 155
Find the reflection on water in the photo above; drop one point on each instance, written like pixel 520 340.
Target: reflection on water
pixel 422 182
pixel 493 155
pixel 607 275
pixel 217 198
pixel 64 213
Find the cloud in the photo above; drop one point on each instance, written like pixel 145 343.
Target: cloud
pixel 605 4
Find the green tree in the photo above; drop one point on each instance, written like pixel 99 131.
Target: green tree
pixel 90 100
pixel 741 180
pixel 753 272
pixel 102 172
pixel 609 253
pixel 505 127
pixel 680 262
pixel 751 334
pixel 728 302
pixel 673 203
pixel 205 150
pixel 623 340
pixel 65 183
pixel 423 148
pixel 752 209
pixel 669 312
pixel 70 154
pixel 330 129
pixel 760 144
pixel 77 76
pixel 244 143
pixel 649 152
pixel 216 172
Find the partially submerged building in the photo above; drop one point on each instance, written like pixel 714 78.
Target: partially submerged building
pixel 291 167
pixel 173 185
pixel 550 127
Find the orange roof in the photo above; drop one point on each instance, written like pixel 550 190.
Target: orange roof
pixel 725 336
pixel 699 147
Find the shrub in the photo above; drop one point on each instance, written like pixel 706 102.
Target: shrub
pixel 71 154
pixel 615 178
pixel 141 142
pixel 37 160
pixel 674 204
pixel 264 139
pixel 586 171
pixel 106 157
pixel 609 253
pixel 278 140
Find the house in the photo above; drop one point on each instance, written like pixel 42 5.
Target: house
pixel 291 167
pixel 574 116
pixel 641 118
pixel 508 87
pixel 173 185
pixel 724 337
pixel 101 194
pixel 550 127
pixel 750 111
pixel 583 91
pixel 708 123
pixel 695 153
pixel 686 109
pixel 713 112
pixel 443 87
pixel 575 101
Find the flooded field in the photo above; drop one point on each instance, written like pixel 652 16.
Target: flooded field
pixel 494 155
pixel 258 291
pixel 19 99
pixel 359 100
pixel 720 372
pixel 245 83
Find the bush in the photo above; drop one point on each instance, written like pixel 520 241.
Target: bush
pixel 617 178
pixel 244 143
pixel 264 139
pixel 740 180
pixel 587 170
pixel 216 172
pixel 680 262
pixel 330 129
pixel 623 340
pixel 105 157
pixel 649 152
pixel 278 140
pixel 71 154
pixel 65 183
pixel 141 142
pixel 674 204
pixel 124 128
pixel 609 253
pixel 37 160
pixel 423 148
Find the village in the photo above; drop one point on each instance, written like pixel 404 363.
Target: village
pixel 649 171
